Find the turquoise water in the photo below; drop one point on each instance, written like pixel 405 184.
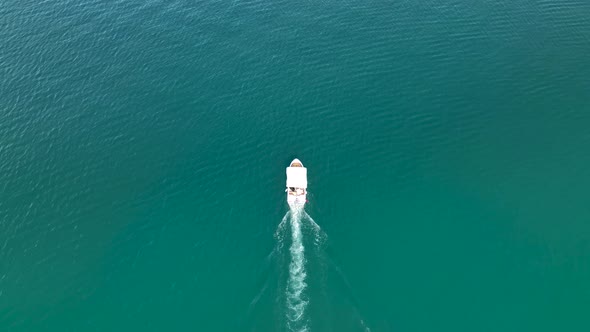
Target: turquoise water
pixel 143 147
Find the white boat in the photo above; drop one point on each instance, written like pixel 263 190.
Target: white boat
pixel 296 184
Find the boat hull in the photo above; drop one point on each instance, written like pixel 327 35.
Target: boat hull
pixel 296 184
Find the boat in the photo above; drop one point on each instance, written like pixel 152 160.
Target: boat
pixel 296 184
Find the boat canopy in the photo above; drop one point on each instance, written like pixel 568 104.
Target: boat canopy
pixel 297 177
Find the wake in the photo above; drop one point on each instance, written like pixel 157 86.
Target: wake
pixel 296 285
pixel 301 219
pixel 296 289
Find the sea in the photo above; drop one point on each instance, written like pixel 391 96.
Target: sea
pixel 143 147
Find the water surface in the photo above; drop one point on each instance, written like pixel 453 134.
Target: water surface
pixel 143 148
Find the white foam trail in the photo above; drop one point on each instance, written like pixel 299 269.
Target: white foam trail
pixel 365 326
pixel 320 242
pixel 296 284
pixel 320 235
pixel 280 232
pixel 313 223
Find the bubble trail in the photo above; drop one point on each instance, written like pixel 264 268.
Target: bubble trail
pixel 296 285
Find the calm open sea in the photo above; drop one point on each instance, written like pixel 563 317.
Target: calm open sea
pixel 143 147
